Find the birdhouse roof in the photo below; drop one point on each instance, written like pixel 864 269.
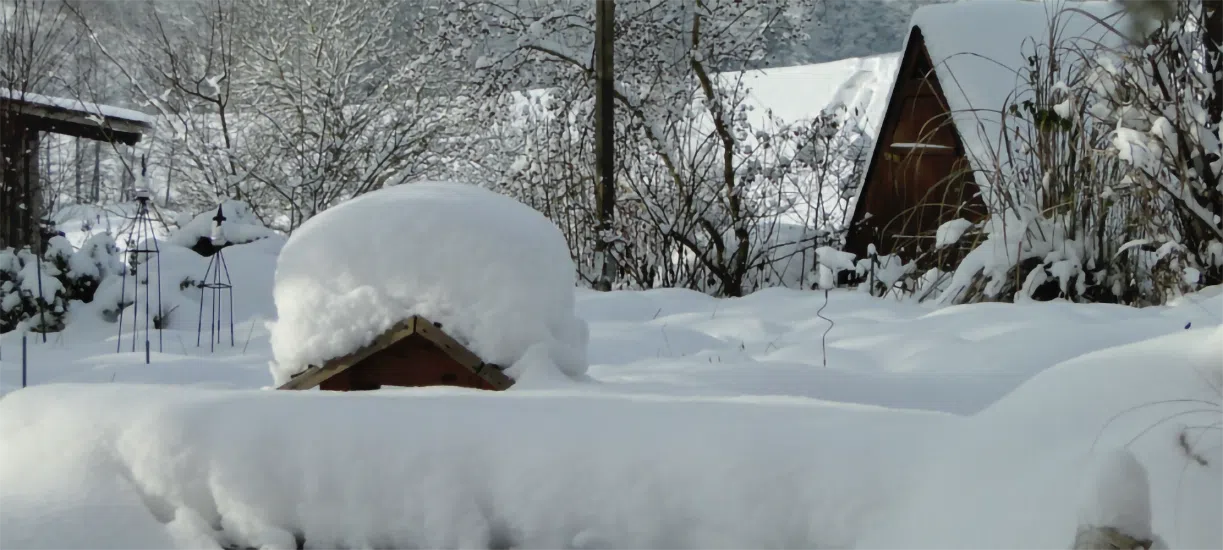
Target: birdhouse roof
pixel 412 326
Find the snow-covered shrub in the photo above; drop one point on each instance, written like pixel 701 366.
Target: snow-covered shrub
pixel 11 310
pixel 1162 97
pixel 42 296
pixel 1106 186
pixel 67 275
pixel 96 260
pixel 241 226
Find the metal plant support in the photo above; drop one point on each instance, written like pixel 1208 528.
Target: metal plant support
pixel 217 283
pixel 46 231
pixel 147 255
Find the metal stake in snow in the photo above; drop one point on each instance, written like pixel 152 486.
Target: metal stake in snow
pixel 42 315
pixel 47 230
pixel 216 280
pixel 142 250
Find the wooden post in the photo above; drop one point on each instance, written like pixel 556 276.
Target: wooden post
pixel 96 183
pixel 605 128
pixel 31 228
pixel 21 193
pixel 78 173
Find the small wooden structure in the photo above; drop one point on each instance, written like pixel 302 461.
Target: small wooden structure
pixel 23 117
pixel 414 352
pixel 946 136
pixel 918 175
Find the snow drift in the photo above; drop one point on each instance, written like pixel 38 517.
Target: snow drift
pixel 136 466
pixel 495 273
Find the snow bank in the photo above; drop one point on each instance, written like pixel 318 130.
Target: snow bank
pixel 655 474
pixel 195 468
pixel 1027 471
pixel 495 273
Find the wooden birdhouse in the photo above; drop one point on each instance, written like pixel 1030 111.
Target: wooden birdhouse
pixel 414 352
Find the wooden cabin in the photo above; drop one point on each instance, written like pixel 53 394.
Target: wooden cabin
pixel 918 175
pixel 935 154
pixel 414 352
pixel 23 118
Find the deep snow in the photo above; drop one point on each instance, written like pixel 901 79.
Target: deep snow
pixel 147 466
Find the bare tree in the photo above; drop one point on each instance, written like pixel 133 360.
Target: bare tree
pixel 338 99
pixel 690 171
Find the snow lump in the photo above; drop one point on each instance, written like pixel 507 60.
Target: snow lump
pixel 494 272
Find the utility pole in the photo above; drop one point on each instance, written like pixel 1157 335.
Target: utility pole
pixel 605 128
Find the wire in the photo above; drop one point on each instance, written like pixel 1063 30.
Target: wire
pixel 824 339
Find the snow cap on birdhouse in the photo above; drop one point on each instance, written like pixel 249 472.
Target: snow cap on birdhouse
pixel 486 271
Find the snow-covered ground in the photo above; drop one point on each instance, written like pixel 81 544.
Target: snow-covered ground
pixel 706 423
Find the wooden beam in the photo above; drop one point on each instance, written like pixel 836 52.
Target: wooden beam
pixel 489 372
pixel 71 122
pixel 314 375
pixel 108 130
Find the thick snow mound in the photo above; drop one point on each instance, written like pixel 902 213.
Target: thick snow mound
pixel 495 273
pixel 656 473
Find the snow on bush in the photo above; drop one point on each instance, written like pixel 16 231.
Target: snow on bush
pixel 241 226
pixel 495 273
pixel 35 294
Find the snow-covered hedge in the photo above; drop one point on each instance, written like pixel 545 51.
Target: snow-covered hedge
pixel 35 294
pixel 94 272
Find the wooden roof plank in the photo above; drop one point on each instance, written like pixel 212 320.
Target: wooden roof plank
pixel 315 375
pixel 61 116
pixel 489 372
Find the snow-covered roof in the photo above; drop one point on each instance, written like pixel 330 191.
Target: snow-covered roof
pixel 979 48
pixel 78 106
pixel 978 51
pixel 804 91
pixel 495 273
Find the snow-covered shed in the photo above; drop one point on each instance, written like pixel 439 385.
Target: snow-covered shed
pixel 23 117
pixel 425 284
pixel 962 66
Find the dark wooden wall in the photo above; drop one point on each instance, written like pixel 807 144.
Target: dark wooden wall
pixel 909 191
pixel 20 192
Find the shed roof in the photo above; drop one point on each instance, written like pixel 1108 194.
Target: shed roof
pixel 978 49
pixel 78 118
